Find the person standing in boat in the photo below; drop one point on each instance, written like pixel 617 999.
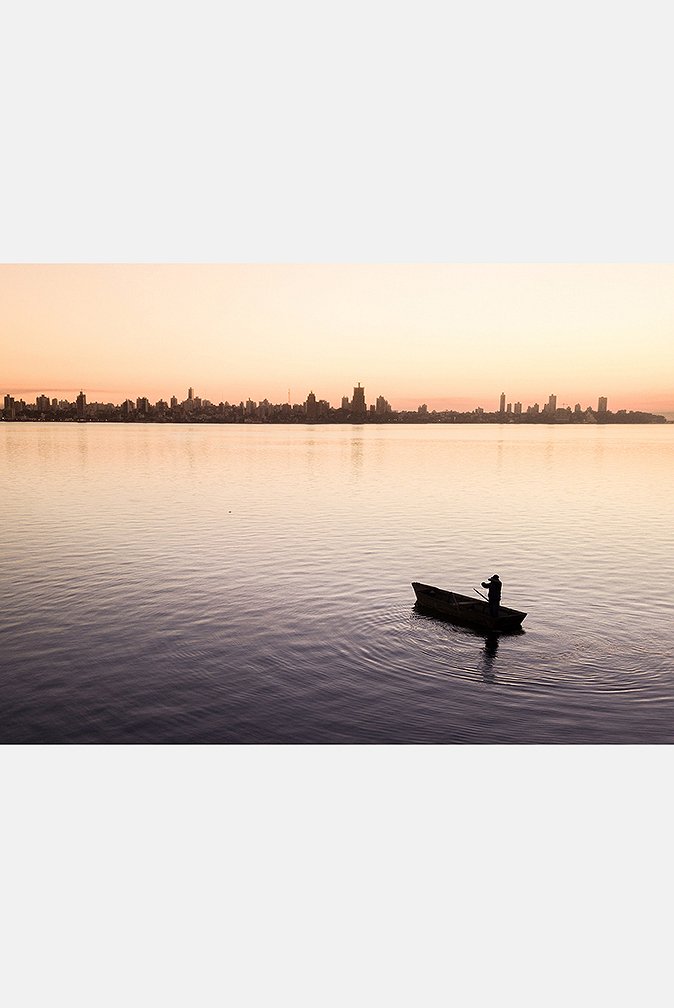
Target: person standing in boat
pixel 494 584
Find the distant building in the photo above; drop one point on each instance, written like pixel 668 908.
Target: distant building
pixel 423 409
pixel 190 394
pixel 81 405
pixel 174 402
pixel 310 407
pixel 602 404
pixel 382 406
pixel 509 408
pixel 550 407
pixel 577 408
pixel 502 403
pixel 358 407
pixel 345 402
pixel 518 409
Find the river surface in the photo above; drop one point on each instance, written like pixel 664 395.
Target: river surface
pixel 248 584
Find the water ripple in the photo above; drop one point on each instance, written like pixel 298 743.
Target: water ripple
pixel 254 585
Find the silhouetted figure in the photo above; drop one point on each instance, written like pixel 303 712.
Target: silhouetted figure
pixel 494 585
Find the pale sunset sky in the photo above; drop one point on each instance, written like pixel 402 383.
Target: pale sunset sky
pixel 448 335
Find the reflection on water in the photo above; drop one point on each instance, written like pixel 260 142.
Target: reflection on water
pixel 356 452
pixel 253 584
pixel 489 656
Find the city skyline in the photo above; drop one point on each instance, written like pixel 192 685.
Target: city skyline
pixel 444 335
pixel 45 401
pixel 351 410
pixel 508 404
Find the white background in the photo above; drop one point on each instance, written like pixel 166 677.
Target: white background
pixel 336 133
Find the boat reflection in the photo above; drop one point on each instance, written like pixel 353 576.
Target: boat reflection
pixel 489 653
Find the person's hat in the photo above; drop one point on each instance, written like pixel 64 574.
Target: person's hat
pixel 494 577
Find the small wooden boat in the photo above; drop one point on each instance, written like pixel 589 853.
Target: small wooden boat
pixel 465 610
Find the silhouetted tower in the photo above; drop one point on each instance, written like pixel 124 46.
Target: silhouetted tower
pixel 190 394
pixel 310 406
pixel 81 404
pixel 358 407
pixel 501 408
pixel 602 405
pixel 552 404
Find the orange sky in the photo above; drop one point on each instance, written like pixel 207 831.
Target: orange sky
pixel 447 335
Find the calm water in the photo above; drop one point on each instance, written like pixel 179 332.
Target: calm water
pixel 252 584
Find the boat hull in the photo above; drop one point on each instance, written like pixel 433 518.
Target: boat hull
pixel 466 611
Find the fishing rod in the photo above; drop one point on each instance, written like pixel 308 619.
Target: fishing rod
pixel 481 595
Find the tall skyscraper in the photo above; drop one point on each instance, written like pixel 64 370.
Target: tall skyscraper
pixel 501 408
pixel 602 405
pixel 310 407
pixel 552 404
pixel 190 394
pixel 81 404
pixel 358 407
